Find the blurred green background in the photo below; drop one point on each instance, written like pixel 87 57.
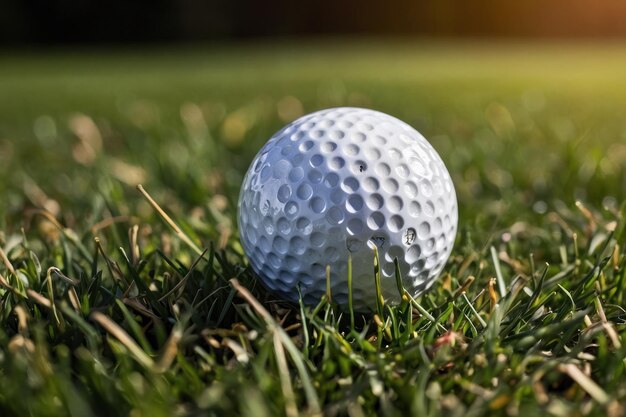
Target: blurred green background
pixel 521 126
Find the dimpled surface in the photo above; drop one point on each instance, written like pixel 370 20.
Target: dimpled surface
pixel 334 183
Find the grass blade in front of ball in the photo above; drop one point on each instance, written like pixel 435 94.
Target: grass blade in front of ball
pixel 380 301
pixel 350 289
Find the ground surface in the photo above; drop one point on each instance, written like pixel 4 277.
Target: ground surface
pixel 106 310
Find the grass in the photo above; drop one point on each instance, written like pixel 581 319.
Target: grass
pixel 108 309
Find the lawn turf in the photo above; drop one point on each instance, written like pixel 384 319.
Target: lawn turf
pixel 105 310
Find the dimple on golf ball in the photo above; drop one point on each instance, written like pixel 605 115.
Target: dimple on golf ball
pixel 334 185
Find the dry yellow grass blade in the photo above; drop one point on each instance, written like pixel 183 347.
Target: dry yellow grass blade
pixel 124 338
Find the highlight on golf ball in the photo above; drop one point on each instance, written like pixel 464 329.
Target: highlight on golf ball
pixel 335 184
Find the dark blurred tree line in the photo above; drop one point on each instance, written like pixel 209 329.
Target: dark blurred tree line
pixel 42 22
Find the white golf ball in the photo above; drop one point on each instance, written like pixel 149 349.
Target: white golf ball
pixel 335 183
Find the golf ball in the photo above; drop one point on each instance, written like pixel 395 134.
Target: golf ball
pixel 332 186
